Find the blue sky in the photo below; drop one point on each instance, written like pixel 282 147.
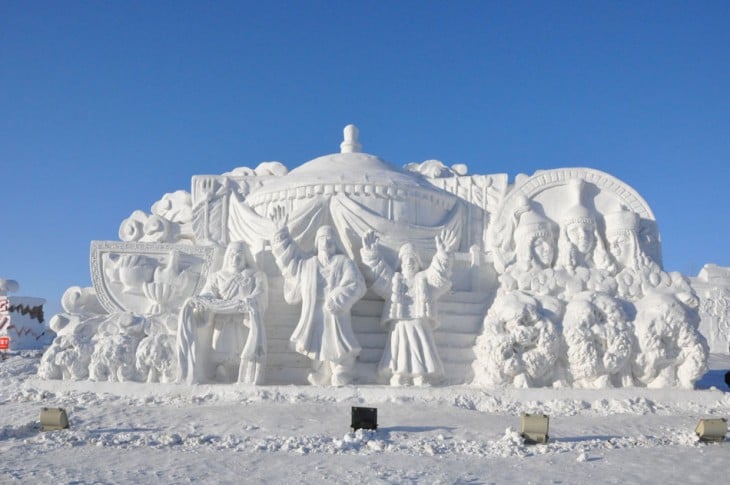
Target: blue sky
pixel 106 106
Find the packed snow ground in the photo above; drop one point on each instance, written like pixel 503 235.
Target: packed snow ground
pixel 134 433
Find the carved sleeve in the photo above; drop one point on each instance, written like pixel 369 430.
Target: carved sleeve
pixel 379 271
pixel 287 254
pixel 260 295
pixel 351 286
pixel 438 273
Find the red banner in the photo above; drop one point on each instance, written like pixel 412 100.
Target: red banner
pixel 4 343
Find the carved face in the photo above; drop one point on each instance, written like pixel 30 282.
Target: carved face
pixel 543 251
pixel 621 247
pixel 581 236
pixel 235 259
pixel 326 244
pixel 409 263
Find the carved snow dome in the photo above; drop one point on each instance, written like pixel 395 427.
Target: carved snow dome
pixel 388 191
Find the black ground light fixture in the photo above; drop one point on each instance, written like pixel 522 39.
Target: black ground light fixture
pixel 364 418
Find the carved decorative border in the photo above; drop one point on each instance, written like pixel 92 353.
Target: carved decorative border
pixel 98 278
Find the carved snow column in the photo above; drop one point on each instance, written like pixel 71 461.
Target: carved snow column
pixel 211 195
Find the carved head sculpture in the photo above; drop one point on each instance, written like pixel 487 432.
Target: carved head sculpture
pixel 579 243
pixel 235 258
pixel 535 240
pixel 622 229
pixel 410 262
pixel 325 240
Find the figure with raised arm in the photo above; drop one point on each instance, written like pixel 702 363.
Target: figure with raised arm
pixel 327 284
pixel 409 314
pixel 212 341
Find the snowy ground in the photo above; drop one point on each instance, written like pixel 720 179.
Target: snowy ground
pixel 139 433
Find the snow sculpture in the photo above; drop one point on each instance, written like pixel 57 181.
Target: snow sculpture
pixel 671 351
pixel 597 299
pixel 211 338
pixel 170 221
pixel 327 285
pixel 410 314
pixel 599 342
pixel 520 344
pixel 555 279
pixel 712 285
pixel 582 257
pixel 21 319
pixel 70 354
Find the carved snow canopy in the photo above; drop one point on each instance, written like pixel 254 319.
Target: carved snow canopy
pixel 548 193
pixel 355 193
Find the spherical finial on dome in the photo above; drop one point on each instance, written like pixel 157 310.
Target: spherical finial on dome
pixel 350 144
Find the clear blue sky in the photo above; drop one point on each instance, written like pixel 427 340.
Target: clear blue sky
pixel 106 106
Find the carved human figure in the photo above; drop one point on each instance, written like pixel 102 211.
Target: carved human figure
pixel 519 345
pixel 599 342
pixel 581 253
pixel 327 284
pixel 211 340
pixel 636 272
pixel 532 270
pixel 672 352
pixel 409 314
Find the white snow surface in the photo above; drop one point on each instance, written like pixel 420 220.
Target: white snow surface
pixel 168 433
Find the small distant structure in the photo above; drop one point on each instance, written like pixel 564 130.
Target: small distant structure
pixel 21 319
pixel 712 286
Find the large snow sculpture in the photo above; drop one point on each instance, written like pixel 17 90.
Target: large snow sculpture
pixel 410 314
pixel 327 285
pixel 553 280
pixel 211 337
